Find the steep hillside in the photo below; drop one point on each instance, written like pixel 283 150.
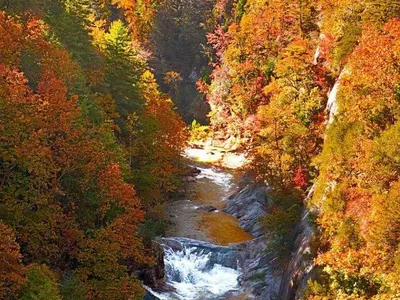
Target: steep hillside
pixel 89 151
pixel 310 88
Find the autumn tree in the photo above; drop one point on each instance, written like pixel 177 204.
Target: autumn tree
pixel 357 188
pixel 41 284
pixel 123 71
pixel 12 271
pixel 51 158
pixel 139 15
pixel 158 127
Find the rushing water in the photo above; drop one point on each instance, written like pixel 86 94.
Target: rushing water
pixel 198 273
pixel 332 106
pixel 222 179
pixel 202 269
pixel 189 272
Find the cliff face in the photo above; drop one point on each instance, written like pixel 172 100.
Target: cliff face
pixel 262 277
pixel 300 267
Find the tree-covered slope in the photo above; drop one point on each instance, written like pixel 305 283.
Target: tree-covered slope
pixel 310 88
pixel 89 150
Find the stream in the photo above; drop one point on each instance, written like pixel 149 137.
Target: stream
pixel 199 254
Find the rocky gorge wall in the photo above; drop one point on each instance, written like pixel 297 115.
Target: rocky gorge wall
pixel 261 277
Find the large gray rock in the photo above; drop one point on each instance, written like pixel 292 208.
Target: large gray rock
pixel 154 277
pixel 248 205
pixel 259 276
pixel 207 208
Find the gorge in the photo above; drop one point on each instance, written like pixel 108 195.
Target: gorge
pixel 209 149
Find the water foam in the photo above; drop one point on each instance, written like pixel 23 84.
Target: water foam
pixel 193 276
pixel 222 179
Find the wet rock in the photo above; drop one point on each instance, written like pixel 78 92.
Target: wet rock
pixel 259 278
pixel 207 208
pixel 248 205
pixel 150 296
pixel 154 277
pixel 250 221
pixel 189 179
pixel 193 172
pixel 171 243
pixel 151 293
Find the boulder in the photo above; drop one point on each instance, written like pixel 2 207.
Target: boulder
pixel 154 277
pixel 193 171
pixel 259 277
pixel 207 208
pixel 171 243
pixel 248 205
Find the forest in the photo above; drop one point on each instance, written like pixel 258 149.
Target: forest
pixel 100 98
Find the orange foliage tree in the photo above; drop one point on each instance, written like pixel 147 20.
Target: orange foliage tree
pixel 140 15
pixel 12 271
pixel 357 191
pixel 160 137
pixel 62 190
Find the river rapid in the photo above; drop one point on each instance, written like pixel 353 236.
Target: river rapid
pixel 199 248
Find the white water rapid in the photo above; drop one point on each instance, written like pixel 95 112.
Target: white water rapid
pixel 194 276
pixel 198 270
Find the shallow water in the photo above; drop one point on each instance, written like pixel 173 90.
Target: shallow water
pixel 212 188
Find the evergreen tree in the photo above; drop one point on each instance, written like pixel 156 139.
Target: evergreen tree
pixel 123 69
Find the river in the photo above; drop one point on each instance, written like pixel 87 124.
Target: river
pixel 200 261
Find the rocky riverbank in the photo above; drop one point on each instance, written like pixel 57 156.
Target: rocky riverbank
pixel 261 277
pixel 220 195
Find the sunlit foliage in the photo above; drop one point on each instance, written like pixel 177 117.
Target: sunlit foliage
pixel 75 98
